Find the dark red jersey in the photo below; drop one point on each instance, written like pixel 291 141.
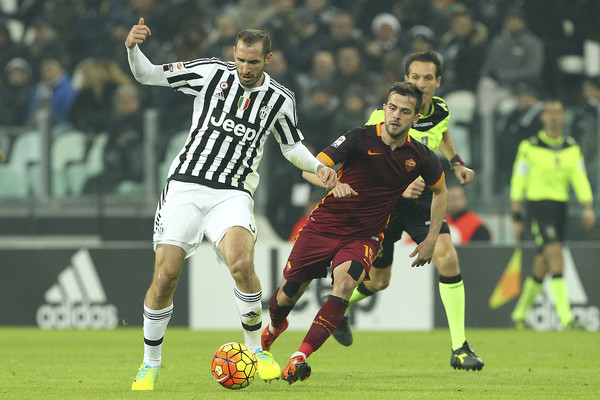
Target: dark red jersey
pixel 378 174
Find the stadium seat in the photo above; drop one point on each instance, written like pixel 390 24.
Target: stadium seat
pixel 68 150
pixel 20 176
pixel 462 109
pixel 173 148
pixel 5 142
pixel 92 165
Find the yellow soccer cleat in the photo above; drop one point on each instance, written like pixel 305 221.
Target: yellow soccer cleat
pixel 268 369
pixel 146 377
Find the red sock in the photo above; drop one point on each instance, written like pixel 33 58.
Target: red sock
pixel 278 313
pixel 326 321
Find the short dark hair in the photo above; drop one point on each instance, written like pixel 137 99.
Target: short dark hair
pixel 408 89
pixel 252 36
pixel 425 56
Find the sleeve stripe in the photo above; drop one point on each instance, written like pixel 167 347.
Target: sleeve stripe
pixel 326 158
pixel 438 183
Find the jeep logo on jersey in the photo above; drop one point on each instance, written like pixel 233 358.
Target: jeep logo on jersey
pixel 231 124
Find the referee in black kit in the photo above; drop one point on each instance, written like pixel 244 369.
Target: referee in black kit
pixel 212 179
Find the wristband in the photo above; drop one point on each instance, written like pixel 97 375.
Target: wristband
pixel 456 160
pixel 517 216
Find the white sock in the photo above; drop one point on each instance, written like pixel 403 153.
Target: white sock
pixel 299 353
pixel 155 326
pixel 250 307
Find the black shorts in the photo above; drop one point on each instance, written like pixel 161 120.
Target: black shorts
pixel 411 216
pixel 547 221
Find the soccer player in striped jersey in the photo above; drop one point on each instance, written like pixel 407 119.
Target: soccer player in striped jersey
pixel 411 215
pixel 377 163
pixel 211 181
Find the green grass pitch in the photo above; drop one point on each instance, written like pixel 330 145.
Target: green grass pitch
pixel 65 365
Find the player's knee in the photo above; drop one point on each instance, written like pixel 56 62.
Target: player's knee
pixel 241 268
pixel 380 283
pixel 446 262
pixel 164 283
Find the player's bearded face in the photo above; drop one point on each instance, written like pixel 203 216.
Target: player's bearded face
pixel 250 63
pixel 399 114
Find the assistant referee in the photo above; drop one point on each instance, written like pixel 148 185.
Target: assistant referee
pixel 545 166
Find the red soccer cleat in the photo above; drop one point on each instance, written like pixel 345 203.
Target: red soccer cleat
pixel 296 370
pixel 267 338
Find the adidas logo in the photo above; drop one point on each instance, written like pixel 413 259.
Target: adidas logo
pixel 542 315
pixel 250 314
pixel 78 299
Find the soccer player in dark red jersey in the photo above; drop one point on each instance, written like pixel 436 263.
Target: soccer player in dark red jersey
pixel 377 163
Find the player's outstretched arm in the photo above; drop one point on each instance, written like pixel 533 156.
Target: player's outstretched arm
pixel 142 69
pixel 137 34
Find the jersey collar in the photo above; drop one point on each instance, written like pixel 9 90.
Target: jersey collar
pixel 549 141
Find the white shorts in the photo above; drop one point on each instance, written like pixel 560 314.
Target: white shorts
pixel 188 211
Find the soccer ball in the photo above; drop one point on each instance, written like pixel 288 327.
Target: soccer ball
pixel 234 366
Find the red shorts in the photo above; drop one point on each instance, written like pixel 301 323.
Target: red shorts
pixel 313 253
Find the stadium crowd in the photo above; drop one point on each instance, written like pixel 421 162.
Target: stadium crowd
pixel 338 56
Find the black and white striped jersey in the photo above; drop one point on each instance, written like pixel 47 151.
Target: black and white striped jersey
pixel 230 124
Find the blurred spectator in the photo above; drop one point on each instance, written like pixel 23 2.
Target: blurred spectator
pixel 9 48
pixel 191 39
pixel 351 71
pixel 44 42
pixel 124 152
pixel 253 14
pixel 463 50
pixel 466 226
pixel 88 31
pixel 53 93
pixel 586 127
pixel 564 26
pixel 223 35
pixel 515 126
pixel 321 12
pixel 385 37
pixel 322 72
pixel 316 120
pixel 96 82
pixel 15 87
pixel 178 11
pixel 352 112
pixel 342 33
pixel 392 72
pixel 63 14
pixel 514 56
pixel 112 45
pixel 189 44
pixel 303 42
pixel 278 69
pixel 153 12
pixel 420 39
pixel 276 19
